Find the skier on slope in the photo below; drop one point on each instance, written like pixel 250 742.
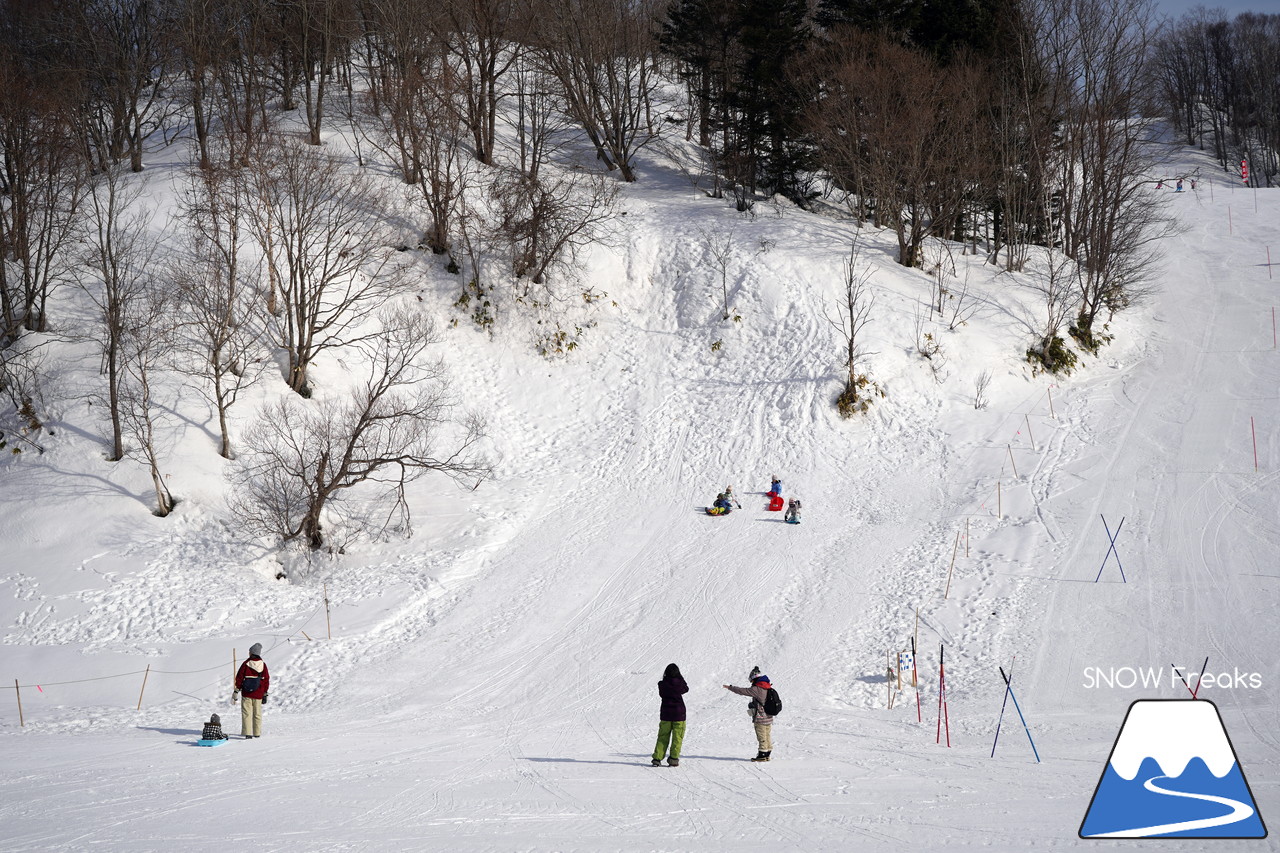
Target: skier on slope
pixel 671 716
pixel 763 723
pixel 252 682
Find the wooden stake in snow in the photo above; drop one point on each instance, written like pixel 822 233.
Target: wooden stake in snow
pixel 888 679
pixel 21 722
pixel 954 549
pixel 966 538
pixel 919 714
pixel 999 509
pixel 234 659
pixel 328 624
pixel 1011 462
pixel 1254 433
pixel 1051 414
pixel 144 686
pixel 1027 420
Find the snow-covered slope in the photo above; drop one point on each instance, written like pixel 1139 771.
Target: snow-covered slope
pixel 490 683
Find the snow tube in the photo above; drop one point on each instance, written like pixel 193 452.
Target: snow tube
pixel 775 503
pixel 717 510
pixel 203 742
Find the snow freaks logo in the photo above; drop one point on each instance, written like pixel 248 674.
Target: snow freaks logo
pixel 1172 773
pixel 1154 678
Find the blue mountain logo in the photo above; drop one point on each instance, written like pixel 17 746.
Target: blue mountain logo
pixel 1173 773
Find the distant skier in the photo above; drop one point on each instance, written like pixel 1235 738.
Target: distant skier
pixel 252 682
pixel 758 691
pixel 213 729
pixel 1179 189
pixel 671 716
pixel 793 511
pixel 1193 183
pixel 1159 185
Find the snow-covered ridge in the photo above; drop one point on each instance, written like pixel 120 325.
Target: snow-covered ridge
pixel 1172 733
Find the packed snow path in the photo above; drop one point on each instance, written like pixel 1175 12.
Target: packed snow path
pixel 491 684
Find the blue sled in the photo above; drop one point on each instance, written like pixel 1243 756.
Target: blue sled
pixel 789 521
pixel 210 742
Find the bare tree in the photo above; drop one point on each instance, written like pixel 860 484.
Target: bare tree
pixel 42 179
pixel 547 220
pixel 1055 281
pixel 1111 222
pixel 120 253
pixel 481 36
pixel 853 312
pixel 325 248
pixel 148 335
pixel 216 295
pixel 306 464
pixel 600 51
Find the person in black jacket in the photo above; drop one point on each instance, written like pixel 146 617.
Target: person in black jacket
pixel 671 728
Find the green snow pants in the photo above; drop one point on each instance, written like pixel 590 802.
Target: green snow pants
pixel 669 732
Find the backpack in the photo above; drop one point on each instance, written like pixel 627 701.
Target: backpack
pixel 250 683
pixel 772 703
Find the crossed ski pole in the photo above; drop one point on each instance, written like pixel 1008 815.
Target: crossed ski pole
pixel 1009 694
pixel 1184 679
pixel 1112 549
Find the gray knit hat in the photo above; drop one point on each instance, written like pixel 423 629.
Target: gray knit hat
pixel 215 721
pixel 255 649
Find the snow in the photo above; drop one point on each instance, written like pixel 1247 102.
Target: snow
pixel 1172 733
pixel 490 682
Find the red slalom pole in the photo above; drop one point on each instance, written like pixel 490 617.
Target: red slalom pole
pixel 1255 443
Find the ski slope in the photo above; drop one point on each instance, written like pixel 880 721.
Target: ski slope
pixel 490 682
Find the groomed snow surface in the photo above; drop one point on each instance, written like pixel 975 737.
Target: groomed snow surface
pixel 490 684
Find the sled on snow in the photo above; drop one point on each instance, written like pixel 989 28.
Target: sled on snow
pixel 203 742
pixel 717 510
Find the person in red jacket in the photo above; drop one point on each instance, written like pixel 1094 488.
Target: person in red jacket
pixel 252 682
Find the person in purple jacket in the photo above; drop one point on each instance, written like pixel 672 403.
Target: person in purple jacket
pixel 671 728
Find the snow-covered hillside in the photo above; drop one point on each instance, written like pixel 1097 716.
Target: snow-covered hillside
pixel 490 682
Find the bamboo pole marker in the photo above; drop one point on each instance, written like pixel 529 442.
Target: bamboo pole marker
pixel 1027 420
pixel 915 639
pixel 954 549
pixel 966 538
pixel 21 722
pixel 1230 228
pixel 1268 261
pixel 305 634
pixel 999 510
pixel 1011 462
pixel 327 623
pixel 145 675
pixel 1254 433
pixel 233 675
pixel 898 668
pixel 1273 328
pixel 888 680
pixel 1051 414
